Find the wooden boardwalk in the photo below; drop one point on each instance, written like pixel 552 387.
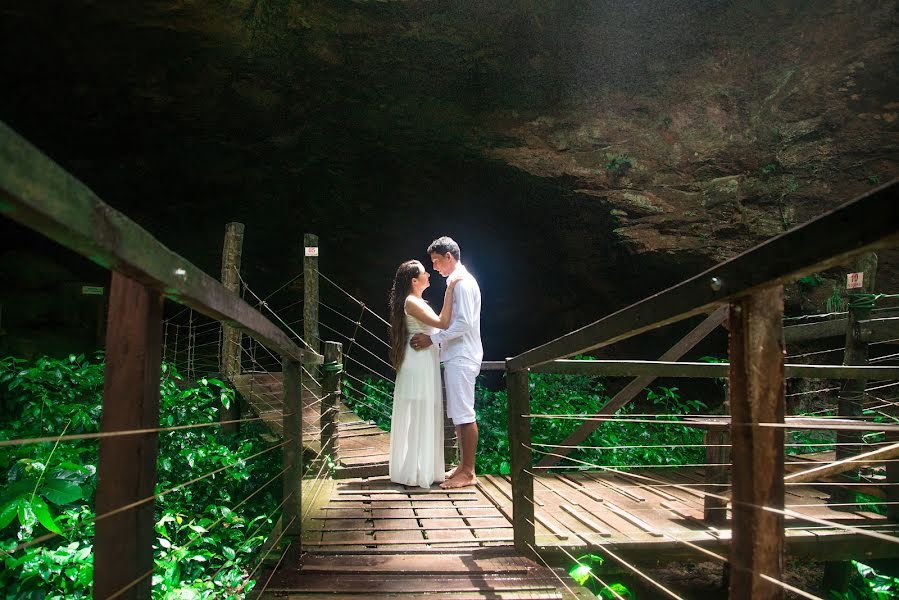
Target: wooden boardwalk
pixel 362 447
pixel 574 511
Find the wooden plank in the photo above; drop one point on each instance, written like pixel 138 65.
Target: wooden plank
pixel 717 471
pixel 292 451
pixel 701 370
pixel 757 396
pixel 521 461
pixel 851 463
pixel 126 472
pixel 815 331
pixel 630 391
pixel 580 516
pixel 39 194
pixel 877 330
pixel 865 223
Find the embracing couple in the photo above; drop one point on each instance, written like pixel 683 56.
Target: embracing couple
pixel 417 332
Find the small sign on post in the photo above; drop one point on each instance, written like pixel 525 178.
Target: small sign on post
pixel 91 290
pixel 311 250
pixel 855 281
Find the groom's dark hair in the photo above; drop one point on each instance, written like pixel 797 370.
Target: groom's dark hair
pixel 445 244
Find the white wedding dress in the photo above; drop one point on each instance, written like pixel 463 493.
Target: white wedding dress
pixel 416 426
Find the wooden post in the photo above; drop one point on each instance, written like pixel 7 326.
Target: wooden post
pixel 310 303
pixel 717 472
pixel 333 368
pixel 231 338
pixel 293 450
pixel 892 481
pixel 852 395
pixel 126 472
pixel 756 385
pixel 521 461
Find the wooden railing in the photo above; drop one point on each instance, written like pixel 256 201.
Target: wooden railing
pixel 39 194
pixel 750 288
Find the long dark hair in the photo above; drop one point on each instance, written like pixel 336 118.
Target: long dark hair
pixel 402 287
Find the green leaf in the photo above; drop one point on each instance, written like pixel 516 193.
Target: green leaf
pixel 9 513
pixel 580 573
pixel 42 512
pixel 60 491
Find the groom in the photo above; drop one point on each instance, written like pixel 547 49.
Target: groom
pixel 461 352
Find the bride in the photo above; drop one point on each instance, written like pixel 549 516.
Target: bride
pixel 416 425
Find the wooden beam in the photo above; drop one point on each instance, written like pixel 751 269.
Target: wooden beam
pixel 623 368
pixel 863 224
pixel 815 331
pixel 126 472
pixel 39 194
pixel 521 462
pixel 231 337
pixel 756 383
pixel 630 391
pixel 877 330
pixel 892 481
pixel 292 479
pixel 847 464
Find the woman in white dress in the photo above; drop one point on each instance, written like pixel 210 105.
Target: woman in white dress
pixel 416 425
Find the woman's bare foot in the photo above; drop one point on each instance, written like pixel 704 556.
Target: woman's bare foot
pixel 459 481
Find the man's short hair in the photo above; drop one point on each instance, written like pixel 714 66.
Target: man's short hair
pixel 445 244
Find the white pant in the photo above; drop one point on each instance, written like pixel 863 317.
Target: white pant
pixel 459 377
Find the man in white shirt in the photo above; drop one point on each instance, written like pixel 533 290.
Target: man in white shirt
pixel 461 353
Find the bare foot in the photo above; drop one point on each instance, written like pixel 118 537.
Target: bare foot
pixel 459 482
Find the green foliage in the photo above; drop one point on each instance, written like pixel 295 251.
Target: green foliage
pixel 583 573
pixel 618 164
pixel 810 281
pixel 835 302
pixel 664 121
pixel 873 179
pixel 770 168
pixel 371 400
pixel 206 543
pixel 563 395
pixel 868 584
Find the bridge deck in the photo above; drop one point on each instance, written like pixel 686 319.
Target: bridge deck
pixel 362 448
pixel 575 511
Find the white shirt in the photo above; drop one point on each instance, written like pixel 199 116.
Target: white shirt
pixel 462 339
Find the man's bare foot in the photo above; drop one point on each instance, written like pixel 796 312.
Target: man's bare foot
pixel 459 481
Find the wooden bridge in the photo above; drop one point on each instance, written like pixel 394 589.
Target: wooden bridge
pixel 362 535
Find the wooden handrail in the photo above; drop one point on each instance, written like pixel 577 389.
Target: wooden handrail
pixel 41 195
pixel 861 225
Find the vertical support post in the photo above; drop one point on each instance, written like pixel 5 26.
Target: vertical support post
pixel 292 420
pixel 852 394
pixel 126 472
pixel 231 337
pixel 892 482
pixel 521 461
pixel 333 367
pixel 756 384
pixel 310 303
pixel 717 471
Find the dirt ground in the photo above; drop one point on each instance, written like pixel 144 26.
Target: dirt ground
pixel 703 581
